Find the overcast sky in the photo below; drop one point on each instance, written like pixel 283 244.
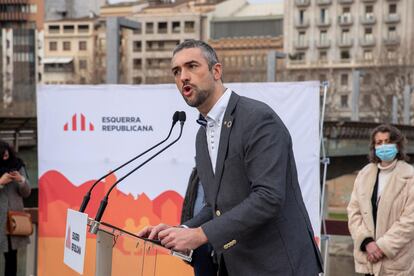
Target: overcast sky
pixel 251 1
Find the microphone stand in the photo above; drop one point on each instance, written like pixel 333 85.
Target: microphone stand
pixel 104 202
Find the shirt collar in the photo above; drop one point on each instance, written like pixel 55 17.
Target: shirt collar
pixel 217 112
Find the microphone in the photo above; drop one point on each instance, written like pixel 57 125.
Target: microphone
pixel 104 201
pixel 176 117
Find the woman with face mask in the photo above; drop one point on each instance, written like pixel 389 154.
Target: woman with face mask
pixel 381 209
pixel 13 187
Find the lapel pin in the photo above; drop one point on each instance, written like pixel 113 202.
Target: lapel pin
pixel 229 123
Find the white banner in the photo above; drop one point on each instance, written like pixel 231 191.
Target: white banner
pixel 86 131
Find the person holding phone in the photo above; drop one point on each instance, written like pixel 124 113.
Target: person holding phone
pixel 14 186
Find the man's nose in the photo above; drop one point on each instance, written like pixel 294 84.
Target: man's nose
pixel 185 76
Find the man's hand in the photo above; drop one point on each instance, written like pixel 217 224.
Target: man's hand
pixel 151 232
pixel 182 239
pixel 374 252
pixel 5 179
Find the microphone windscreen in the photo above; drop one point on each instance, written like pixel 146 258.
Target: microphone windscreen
pixel 176 117
pixel 182 116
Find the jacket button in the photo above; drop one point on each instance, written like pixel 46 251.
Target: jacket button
pixel 218 213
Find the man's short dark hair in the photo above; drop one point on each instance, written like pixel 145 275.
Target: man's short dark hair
pixel 207 50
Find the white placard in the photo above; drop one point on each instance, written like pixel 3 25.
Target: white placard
pixel 75 240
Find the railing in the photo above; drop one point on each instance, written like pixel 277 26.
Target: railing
pixel 345 20
pixel 368 19
pixel 345 42
pixel 392 18
pixel 323 23
pixel 323 44
pixel 365 42
pixel 302 3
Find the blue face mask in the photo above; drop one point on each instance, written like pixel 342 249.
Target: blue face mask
pixel 386 152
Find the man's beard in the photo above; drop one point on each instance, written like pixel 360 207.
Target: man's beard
pixel 200 96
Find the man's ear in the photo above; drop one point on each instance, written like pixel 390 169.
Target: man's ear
pixel 217 71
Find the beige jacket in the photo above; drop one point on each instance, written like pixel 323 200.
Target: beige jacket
pixel 395 221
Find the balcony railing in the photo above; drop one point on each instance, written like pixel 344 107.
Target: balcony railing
pixel 367 42
pixel 324 2
pixel 323 44
pixel 323 23
pixel 345 42
pixel 368 19
pixel 345 20
pixel 301 45
pixel 304 23
pixel 392 40
pixel 392 18
pixel 302 3
pixel 345 1
pixel 369 1
pixel 13 16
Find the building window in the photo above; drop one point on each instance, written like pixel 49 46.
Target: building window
pixel 66 45
pixel 54 29
pixel 162 27
pixel 345 55
pixel 137 46
pixel 345 37
pixel 367 79
pixel 323 36
pixel 391 54
pixel 368 55
pixel 301 78
pixel 83 64
pixel 368 36
pixel 344 79
pixel 323 56
pixel 68 29
pixel 392 32
pixel 392 8
pixel 82 80
pixel 344 101
pixel 33 8
pixel 176 27
pixel 323 16
pixel 137 80
pixel 189 26
pixel 301 16
pixel 82 46
pixel 302 38
pixel 369 10
pixel 366 100
pixel 149 28
pixel 300 56
pixel 83 28
pixel 52 46
pixel 137 63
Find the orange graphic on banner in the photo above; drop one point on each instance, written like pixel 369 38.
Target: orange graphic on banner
pixel 57 194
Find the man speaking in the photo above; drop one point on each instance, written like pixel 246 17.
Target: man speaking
pixel 255 217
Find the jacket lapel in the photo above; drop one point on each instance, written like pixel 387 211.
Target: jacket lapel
pixel 226 128
pixel 365 193
pixel 397 181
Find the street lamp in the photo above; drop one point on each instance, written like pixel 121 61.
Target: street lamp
pixel 113 24
pixel 272 57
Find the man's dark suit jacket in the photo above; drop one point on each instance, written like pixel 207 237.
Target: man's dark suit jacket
pixel 255 217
